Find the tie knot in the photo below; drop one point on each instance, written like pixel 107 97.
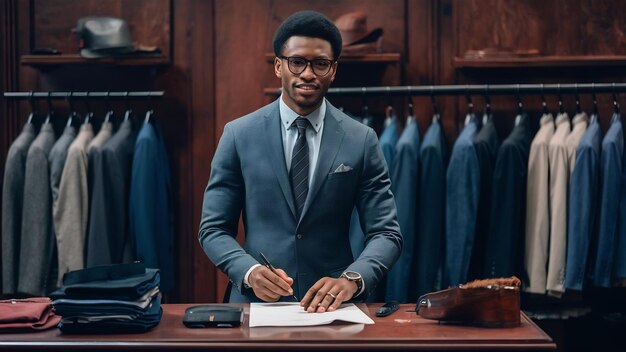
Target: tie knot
pixel 301 124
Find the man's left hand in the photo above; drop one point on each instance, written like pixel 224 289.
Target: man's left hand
pixel 327 294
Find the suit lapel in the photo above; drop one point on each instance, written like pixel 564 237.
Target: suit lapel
pixel 332 136
pixel 277 154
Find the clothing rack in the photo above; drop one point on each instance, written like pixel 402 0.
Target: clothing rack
pixel 484 89
pixel 89 95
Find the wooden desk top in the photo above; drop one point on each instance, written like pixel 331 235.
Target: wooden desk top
pixel 401 331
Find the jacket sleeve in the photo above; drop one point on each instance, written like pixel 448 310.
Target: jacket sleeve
pixel 378 215
pixel 223 201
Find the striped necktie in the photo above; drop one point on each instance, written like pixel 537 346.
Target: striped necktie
pixel 299 172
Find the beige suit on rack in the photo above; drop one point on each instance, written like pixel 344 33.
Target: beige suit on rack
pixel 70 216
pixel 538 208
pixel 559 181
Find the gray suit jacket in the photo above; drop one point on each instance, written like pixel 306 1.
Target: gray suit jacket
pixel 36 243
pixel 248 174
pixel 12 204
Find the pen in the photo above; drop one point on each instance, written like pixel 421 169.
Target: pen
pixel 271 267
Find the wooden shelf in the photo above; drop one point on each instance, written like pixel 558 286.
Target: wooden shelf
pixel 75 59
pixel 540 61
pixel 375 58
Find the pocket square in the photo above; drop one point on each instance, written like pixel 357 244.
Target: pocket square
pixel 342 168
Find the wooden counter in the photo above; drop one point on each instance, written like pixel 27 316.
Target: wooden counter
pixel 402 330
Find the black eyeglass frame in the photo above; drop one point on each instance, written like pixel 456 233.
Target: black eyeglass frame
pixel 308 62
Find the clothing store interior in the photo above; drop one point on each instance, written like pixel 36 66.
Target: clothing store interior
pixel 498 120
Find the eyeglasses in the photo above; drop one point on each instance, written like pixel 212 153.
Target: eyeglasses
pixel 297 65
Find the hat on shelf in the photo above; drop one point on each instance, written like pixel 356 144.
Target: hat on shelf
pixel 355 34
pixel 103 36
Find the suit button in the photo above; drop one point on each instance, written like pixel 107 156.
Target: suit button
pixel 299 236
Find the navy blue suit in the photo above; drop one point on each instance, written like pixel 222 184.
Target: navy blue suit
pixel 583 205
pixel 611 174
pixel 619 268
pixel 505 237
pixel 486 143
pixel 462 192
pixel 404 175
pixel 150 208
pixel 430 232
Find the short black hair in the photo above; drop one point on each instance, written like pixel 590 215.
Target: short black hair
pixel 308 24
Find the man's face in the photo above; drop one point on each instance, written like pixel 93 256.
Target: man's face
pixel 304 92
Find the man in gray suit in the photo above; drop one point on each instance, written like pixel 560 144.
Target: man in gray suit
pixel 296 168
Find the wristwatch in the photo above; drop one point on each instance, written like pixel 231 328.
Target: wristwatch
pixel 356 278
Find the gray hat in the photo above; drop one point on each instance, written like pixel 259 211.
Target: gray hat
pixel 103 37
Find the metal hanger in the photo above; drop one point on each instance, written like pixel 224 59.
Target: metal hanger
pixel 594 113
pixel 89 113
pixel 129 112
pixel 577 98
pixel 433 101
pixel 561 107
pixel 50 110
pixel 616 113
pixel 107 105
pixel 33 108
pixel 150 112
pixel 470 107
pixel 73 114
pixel 520 108
pixel 488 114
pixel 544 104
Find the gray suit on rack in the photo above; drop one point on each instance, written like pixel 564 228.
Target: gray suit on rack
pixel 12 204
pixel 249 174
pixel 36 243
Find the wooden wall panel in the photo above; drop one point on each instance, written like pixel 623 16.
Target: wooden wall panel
pixel 53 21
pixel 552 27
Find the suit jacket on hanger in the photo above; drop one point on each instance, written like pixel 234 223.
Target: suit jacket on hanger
pixel 462 192
pixel 108 240
pixel 70 216
pixel 559 180
pixel 430 233
pixel 611 173
pixel 249 169
pixel 619 269
pixel 150 208
pixel 36 243
pixel 486 143
pixel 404 175
pixel 538 208
pixel 12 205
pixel 583 205
pixel 505 237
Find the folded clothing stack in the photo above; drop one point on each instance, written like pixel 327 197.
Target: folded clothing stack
pixel 30 314
pixel 120 298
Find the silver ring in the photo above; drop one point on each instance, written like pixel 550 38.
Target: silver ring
pixel 331 295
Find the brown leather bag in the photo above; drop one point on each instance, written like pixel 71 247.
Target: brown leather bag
pixel 488 303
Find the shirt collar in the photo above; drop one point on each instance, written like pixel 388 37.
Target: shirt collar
pixel 288 116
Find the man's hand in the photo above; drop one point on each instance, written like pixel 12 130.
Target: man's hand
pixel 269 286
pixel 327 294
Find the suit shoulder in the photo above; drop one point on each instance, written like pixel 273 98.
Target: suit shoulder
pixel 348 123
pixel 253 117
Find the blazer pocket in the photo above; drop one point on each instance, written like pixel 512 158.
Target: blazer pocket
pixel 333 175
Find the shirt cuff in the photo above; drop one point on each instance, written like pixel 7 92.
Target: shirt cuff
pixel 246 283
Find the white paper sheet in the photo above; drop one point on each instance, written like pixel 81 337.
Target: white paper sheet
pixel 291 314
